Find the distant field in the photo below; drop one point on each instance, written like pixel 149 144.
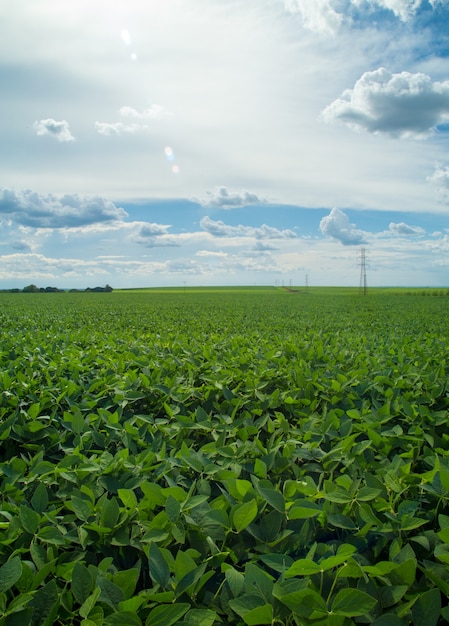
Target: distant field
pixel 218 456
pixel 434 291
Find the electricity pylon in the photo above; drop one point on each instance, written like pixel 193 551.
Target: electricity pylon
pixel 362 263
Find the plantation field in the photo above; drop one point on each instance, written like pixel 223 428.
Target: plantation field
pixel 203 457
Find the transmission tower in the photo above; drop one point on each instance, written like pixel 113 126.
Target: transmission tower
pixel 363 263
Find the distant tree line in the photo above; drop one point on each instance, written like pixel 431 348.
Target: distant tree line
pixel 34 289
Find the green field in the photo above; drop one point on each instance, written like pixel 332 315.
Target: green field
pixel 224 456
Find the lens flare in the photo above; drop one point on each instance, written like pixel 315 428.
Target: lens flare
pixel 169 153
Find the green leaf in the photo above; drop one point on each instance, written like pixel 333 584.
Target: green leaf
pixel 110 593
pixel 305 602
pixel 167 615
pixel 10 573
pixel 303 567
pixel 200 617
pixel 303 509
pixel 273 498
pixel 50 534
pixel 258 581
pixel 189 579
pixel 34 410
pixel 365 494
pixel 82 583
pixel 277 562
pixel 252 609
pixel 235 580
pixel 389 595
pixel 426 610
pixel 45 605
pixel 243 514
pixel 128 497
pixel 90 602
pixel 127 581
pixel 389 619
pixel 122 618
pixel 159 569
pixel 39 501
pixel 110 513
pixel 352 603
pixel 19 618
pixel 29 519
pixel 83 508
pixel 173 509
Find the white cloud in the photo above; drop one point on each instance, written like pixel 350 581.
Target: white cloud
pixel 224 199
pixel 155 236
pixel 404 9
pixel 211 254
pixel 338 226
pixel 111 129
pixel 134 120
pixel 30 208
pixel 400 105
pixel 220 229
pixel 59 130
pixel 402 228
pixel 440 178
pixel 327 16
pixel 317 15
pixel 154 112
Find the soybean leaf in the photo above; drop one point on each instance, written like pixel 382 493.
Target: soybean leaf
pixel 159 569
pixel 29 519
pixel 172 508
pixel 167 614
pixel 110 593
pixel 189 579
pixel 302 567
pixel 352 603
pixel 122 618
pixel 199 617
pixel 243 514
pixel 303 509
pixel 45 605
pixel 39 501
pixel 253 609
pixel 90 602
pixel 82 583
pixel 426 610
pixel 10 573
pixel 304 602
pixel 110 513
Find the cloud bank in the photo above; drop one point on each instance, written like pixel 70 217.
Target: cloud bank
pixel 224 199
pixel 220 229
pixel 402 228
pixel 401 105
pixel 327 16
pixel 30 208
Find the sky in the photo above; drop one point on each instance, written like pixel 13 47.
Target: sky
pixel 148 143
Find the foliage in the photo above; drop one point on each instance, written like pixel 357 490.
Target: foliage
pixel 235 458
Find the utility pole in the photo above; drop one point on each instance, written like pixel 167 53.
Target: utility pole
pixel 307 283
pixel 362 263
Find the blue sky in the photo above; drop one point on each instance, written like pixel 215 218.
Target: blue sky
pixel 204 142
